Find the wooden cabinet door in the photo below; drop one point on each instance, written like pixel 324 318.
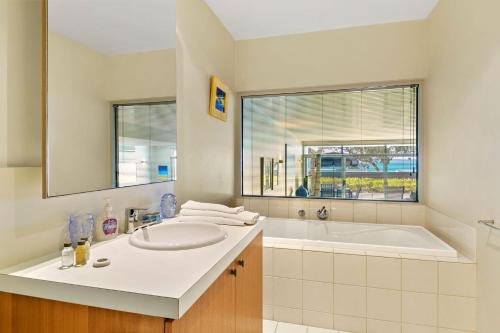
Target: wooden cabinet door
pixel 213 312
pixel 23 314
pixel 249 279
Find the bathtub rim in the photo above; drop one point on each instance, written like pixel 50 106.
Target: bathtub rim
pixel 448 252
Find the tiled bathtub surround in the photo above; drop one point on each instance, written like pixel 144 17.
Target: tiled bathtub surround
pixel 457 234
pixel 339 210
pixel 369 292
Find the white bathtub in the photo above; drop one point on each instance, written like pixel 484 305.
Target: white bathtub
pixel 357 236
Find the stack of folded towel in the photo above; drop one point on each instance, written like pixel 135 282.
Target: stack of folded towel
pixel 193 211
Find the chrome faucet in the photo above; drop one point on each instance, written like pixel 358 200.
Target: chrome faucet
pixel 132 218
pixel 322 214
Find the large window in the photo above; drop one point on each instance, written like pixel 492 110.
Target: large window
pixel 348 144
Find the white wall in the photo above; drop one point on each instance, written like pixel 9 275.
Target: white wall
pixel 24 95
pixel 378 53
pixel 3 82
pixel 461 132
pixel 32 227
pixel 206 145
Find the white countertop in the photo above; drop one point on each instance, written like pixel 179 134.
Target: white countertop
pixel 155 283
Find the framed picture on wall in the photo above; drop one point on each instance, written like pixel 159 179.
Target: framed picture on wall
pixel 218 99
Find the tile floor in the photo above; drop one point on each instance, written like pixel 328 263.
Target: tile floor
pixel 278 327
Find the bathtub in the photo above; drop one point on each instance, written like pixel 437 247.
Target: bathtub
pixel 400 239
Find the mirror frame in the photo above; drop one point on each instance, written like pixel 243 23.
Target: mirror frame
pixel 45 169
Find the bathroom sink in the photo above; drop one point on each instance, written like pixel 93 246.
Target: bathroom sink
pixel 177 236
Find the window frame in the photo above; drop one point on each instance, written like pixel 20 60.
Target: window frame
pixel 412 84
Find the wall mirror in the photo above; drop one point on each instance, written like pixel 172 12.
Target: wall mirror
pixel 109 94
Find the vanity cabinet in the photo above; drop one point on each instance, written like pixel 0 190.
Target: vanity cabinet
pixel 232 304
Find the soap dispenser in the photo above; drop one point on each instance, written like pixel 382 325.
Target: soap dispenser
pixel 107 226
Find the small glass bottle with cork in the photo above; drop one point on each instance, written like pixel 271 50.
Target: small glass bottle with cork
pixel 67 255
pixel 81 254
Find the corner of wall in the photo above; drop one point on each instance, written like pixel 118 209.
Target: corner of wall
pixel 206 145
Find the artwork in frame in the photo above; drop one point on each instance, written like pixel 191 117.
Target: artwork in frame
pixel 218 99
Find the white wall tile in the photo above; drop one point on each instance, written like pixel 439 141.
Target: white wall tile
pixel 246 203
pixel 268 261
pixel 317 319
pixel 349 324
pixel 294 205
pixel 287 315
pixel 301 291
pixel 287 293
pixel 389 213
pixel 312 329
pixel 457 279
pixel 259 205
pixel 268 290
pixel 383 272
pixel 349 269
pixel 268 312
pixel 349 300
pixel 384 304
pixel 365 212
pixel 317 296
pixel 381 326
pixel 342 211
pixel 457 312
pixel 420 275
pixel 459 235
pixel 447 330
pixel 238 201
pixel 317 266
pixel 413 214
pixel 278 208
pixel 420 308
pixel 315 205
pixel 290 328
pixel 412 328
pixel 287 263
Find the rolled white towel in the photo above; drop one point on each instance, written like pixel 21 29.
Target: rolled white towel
pixel 209 206
pixel 211 219
pixel 245 216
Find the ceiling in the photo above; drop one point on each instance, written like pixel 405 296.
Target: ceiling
pixel 115 26
pixel 264 18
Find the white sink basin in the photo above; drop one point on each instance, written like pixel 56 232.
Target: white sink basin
pixel 177 236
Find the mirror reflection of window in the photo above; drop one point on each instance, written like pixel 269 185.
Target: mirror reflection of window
pixel 145 143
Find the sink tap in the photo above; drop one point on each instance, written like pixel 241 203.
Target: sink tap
pixel 322 214
pixel 145 232
pixel 132 218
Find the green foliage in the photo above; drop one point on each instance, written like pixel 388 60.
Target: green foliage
pixel 373 184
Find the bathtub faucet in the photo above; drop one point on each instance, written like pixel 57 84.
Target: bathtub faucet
pixel 322 214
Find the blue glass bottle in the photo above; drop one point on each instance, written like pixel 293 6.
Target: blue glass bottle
pixel 80 226
pixel 168 206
